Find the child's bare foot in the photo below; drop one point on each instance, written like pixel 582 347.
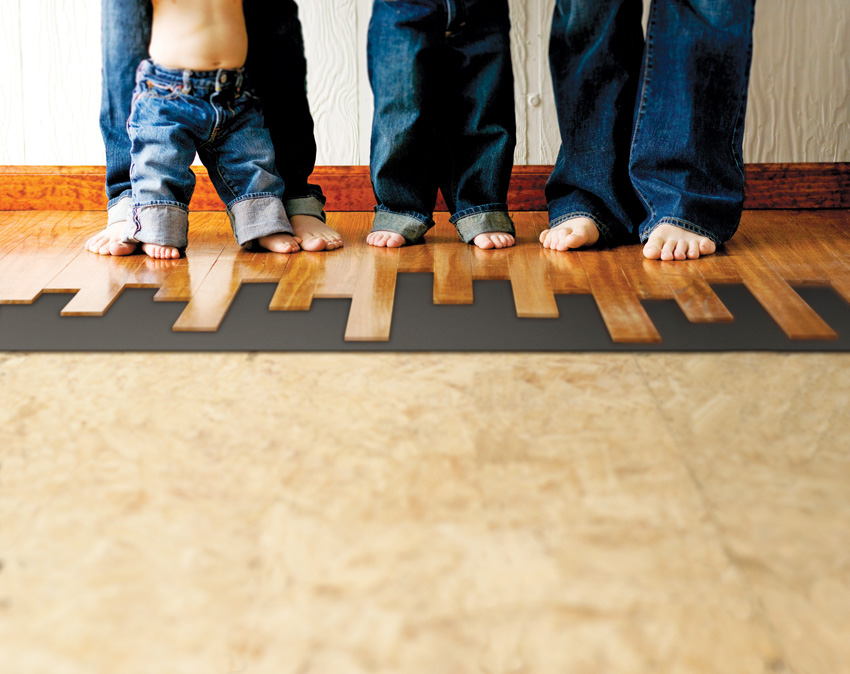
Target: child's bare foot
pixel 573 233
pixel 110 241
pixel 489 240
pixel 160 252
pixel 385 239
pixel 280 243
pixel 313 234
pixel 668 242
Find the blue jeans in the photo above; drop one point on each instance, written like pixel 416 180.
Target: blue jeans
pixel 651 131
pixel 277 70
pixel 175 113
pixel 444 119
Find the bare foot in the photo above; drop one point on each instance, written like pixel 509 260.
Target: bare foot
pixel 489 240
pixel 385 239
pixel 280 243
pixel 668 242
pixel 160 252
pixel 573 233
pixel 314 234
pixel 110 241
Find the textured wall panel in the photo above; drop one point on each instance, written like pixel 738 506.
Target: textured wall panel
pixel 12 148
pixel 330 32
pixel 61 72
pixel 799 106
pixel 799 96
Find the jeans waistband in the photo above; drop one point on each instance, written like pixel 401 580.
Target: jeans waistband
pixel 204 81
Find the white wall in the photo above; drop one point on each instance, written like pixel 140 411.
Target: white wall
pixel 49 93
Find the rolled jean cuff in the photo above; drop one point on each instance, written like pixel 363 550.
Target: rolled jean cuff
pixel 482 220
pixel 412 226
pixel 118 209
pixel 257 215
pixel 647 229
pixel 160 224
pixel 604 233
pixel 306 206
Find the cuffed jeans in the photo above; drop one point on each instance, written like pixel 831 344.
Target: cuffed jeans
pixel 275 66
pixel 444 119
pixel 176 113
pixel 651 131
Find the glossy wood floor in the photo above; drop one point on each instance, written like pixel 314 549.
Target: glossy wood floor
pixel 773 250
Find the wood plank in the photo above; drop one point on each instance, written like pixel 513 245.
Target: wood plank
pixel 348 188
pixel 564 268
pixel 372 304
pixel 52 244
pixel 102 280
pixel 624 316
pixel 717 268
pixel 207 308
pixel 299 281
pixel 452 265
pixel 209 235
pixel 692 293
pixel 645 276
pixel 340 277
pixel 530 284
pixel 796 259
pixel 796 318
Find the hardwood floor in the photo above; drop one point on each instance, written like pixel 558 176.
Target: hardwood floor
pixel 389 513
pixel 42 252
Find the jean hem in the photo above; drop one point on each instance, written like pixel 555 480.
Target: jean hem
pixel 681 224
pixel 604 232
pixel 161 224
pixel 307 205
pixel 257 215
pixel 412 226
pixel 482 222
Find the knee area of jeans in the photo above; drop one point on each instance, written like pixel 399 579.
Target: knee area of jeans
pixel 723 14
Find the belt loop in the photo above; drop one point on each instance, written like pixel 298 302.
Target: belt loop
pixel 218 80
pixel 239 77
pixel 187 87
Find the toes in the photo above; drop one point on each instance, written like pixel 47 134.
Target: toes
pixel 653 249
pixel 706 246
pixel 681 250
pixel 693 250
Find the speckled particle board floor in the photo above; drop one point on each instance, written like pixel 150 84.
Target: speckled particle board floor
pixel 421 513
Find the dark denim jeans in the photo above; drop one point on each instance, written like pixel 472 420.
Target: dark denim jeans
pixel 652 130
pixel 176 113
pixel 277 70
pixel 444 119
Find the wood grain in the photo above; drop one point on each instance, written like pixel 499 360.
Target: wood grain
pixel 43 252
pixel 347 188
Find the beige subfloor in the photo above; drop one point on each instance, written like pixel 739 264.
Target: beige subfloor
pixel 407 514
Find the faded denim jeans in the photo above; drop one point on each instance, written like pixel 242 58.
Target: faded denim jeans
pixel 651 130
pixel 277 70
pixel 444 119
pixel 176 113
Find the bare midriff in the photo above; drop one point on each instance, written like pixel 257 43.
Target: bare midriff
pixel 199 34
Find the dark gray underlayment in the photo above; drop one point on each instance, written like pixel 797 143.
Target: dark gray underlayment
pixel 136 323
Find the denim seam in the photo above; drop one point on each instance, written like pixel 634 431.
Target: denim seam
pixel 161 202
pixel 475 210
pixel 128 194
pixel 252 195
pixel 604 231
pixel 743 98
pixel 213 155
pixel 647 72
pixel 424 219
pixel 682 224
